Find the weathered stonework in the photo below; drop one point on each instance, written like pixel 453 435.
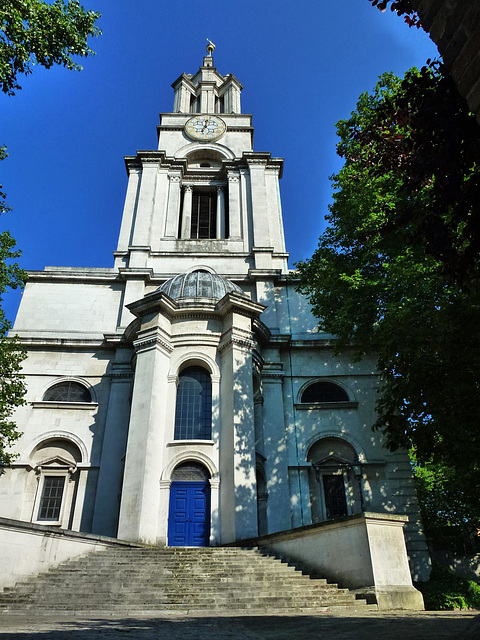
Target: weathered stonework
pixel 273 457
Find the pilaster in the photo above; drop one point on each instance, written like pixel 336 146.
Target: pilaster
pixel 109 486
pixel 146 197
pixel 275 450
pixel 173 206
pixel 126 229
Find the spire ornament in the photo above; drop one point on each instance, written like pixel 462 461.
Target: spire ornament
pixel 210 47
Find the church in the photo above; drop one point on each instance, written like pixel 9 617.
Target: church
pixel 185 396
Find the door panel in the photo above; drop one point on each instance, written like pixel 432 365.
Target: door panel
pixel 335 500
pixel 189 514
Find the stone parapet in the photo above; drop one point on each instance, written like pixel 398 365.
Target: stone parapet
pixel 365 552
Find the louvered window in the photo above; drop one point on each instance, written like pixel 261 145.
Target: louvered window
pixel 204 215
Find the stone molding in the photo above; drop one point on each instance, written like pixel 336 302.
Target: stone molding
pixel 149 342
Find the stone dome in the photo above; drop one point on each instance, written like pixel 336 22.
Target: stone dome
pixel 199 284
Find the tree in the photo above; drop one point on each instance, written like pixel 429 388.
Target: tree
pixel 402 7
pixel 12 389
pixel 37 32
pixel 397 270
pixel 31 32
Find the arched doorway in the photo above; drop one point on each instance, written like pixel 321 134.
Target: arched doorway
pixel 189 510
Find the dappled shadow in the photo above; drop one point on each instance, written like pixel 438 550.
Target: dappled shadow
pixel 325 625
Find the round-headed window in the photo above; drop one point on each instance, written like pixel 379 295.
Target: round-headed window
pixel 68 391
pixel 193 411
pixel 324 391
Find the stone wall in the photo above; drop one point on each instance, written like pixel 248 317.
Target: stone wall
pixel 29 549
pixel 454 26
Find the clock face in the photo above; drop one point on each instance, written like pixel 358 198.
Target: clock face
pixel 205 127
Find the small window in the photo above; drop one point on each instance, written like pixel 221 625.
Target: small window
pixel 52 495
pixel 193 411
pixel 67 392
pixel 324 392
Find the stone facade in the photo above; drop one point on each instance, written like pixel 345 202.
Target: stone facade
pixel 186 396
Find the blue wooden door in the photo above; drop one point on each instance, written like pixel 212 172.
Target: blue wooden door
pixel 189 514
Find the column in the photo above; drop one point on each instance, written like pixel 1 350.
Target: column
pixel 238 489
pixel 220 213
pixel 187 212
pixel 173 207
pixel 234 206
pixel 140 505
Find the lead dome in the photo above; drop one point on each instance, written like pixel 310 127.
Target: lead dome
pixel 199 284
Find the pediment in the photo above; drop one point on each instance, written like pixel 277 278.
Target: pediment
pixel 56 462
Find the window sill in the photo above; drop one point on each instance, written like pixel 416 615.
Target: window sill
pixel 327 405
pixel 43 404
pixel 178 443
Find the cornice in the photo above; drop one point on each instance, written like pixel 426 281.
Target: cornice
pixel 74 275
pixel 149 342
pixel 242 343
pixel 36 342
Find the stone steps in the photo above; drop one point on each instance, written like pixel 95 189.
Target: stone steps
pixel 153 579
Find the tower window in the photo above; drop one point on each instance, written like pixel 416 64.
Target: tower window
pixel 204 215
pixel 193 411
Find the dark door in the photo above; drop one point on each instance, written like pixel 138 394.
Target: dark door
pixel 335 500
pixel 189 514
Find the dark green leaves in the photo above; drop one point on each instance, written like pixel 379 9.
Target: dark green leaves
pixel 35 32
pixel 398 268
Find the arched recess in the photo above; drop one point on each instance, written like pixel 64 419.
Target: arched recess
pixel 216 150
pixel 55 460
pixel 334 491
pixel 56 435
pixel 184 456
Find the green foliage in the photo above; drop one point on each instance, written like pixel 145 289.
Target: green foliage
pixel 449 518
pixel 37 32
pixel 397 270
pixel 31 32
pixel 12 389
pixel 447 591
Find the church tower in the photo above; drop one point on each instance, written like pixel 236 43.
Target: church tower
pixel 207 207
pixel 185 396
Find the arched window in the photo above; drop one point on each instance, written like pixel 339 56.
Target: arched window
pixel 324 391
pixel 193 411
pixel 68 391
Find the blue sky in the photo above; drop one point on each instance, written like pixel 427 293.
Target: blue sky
pixel 302 64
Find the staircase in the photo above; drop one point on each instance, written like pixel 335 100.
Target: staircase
pixel 184 579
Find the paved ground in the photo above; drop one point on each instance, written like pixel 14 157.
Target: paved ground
pixel 324 626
